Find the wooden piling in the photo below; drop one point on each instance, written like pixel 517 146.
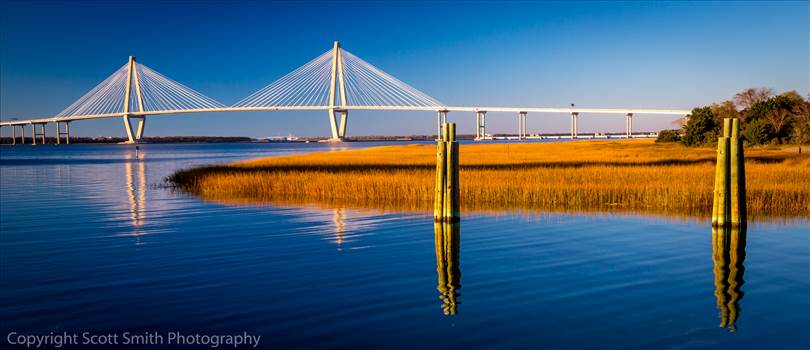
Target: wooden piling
pixel 446 201
pixel 729 207
pixel 734 161
pixel 737 176
pixel 456 193
pixel 721 198
pixel 741 202
pixel 441 168
pixel 451 182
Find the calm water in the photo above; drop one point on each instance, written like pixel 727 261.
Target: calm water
pixel 88 242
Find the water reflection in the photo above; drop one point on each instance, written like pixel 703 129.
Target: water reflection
pixel 447 265
pixel 339 220
pixel 342 226
pixel 135 177
pixel 728 253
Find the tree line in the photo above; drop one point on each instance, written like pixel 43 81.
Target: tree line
pixel 765 119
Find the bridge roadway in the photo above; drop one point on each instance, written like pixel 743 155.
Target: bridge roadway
pixel 624 111
pixel 480 120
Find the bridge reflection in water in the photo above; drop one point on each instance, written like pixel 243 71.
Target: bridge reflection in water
pixel 728 253
pixel 135 178
pixel 447 265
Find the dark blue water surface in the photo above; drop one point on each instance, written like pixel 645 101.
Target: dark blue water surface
pixel 90 242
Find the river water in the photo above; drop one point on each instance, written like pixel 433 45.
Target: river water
pixel 91 242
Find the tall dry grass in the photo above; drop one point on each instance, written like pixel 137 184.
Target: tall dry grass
pixel 634 175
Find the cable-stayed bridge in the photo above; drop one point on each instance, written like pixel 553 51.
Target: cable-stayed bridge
pixel 336 81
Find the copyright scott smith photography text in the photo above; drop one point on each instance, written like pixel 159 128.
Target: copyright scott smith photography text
pixel 58 340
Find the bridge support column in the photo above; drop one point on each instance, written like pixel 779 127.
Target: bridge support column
pixel 333 125
pixel 60 133
pixel 35 134
pixel 521 125
pixel 338 128
pixel 22 134
pixel 574 117
pixel 134 137
pixel 344 119
pixel 480 125
pixel 629 125
pixel 141 126
pixel 128 129
pixel 337 86
pixel 13 134
pixel 133 77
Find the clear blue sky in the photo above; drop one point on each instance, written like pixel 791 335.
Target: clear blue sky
pixel 595 54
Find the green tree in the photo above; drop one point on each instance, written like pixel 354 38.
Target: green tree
pixel 668 135
pixel 700 127
pixel 761 109
pixel 758 132
pixel 801 123
pixel 778 112
pixel 779 118
pixel 764 118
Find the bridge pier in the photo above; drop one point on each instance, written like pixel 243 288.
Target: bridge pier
pixel 574 117
pixel 134 137
pixel 132 76
pixel 344 119
pixel 333 125
pixel 141 126
pixel 629 125
pixel 34 133
pixel 60 133
pixel 338 128
pixel 22 134
pixel 13 134
pixel 337 86
pixel 67 133
pixel 521 125
pixel 480 125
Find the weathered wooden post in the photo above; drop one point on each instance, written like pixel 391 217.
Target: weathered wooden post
pixel 451 194
pixel 729 183
pixel 721 179
pixel 737 175
pixel 441 175
pixel 446 201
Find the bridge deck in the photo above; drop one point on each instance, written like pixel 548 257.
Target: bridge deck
pixel 622 111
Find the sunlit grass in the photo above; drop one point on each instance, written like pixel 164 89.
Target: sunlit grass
pixel 593 175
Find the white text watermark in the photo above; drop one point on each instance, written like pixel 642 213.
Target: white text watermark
pixel 58 340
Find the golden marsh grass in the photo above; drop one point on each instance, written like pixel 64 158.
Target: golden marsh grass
pixel 636 175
